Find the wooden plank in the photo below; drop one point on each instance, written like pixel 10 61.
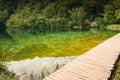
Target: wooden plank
pixel 84 73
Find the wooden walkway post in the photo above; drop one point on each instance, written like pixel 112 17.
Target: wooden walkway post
pixel 95 64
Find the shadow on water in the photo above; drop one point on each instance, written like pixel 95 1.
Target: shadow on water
pixel 17 34
pixel 3 33
pixel 13 33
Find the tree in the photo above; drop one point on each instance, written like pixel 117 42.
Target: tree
pixel 117 15
pixel 78 16
pixel 27 17
pixel 50 10
pixel 116 3
pixel 109 14
pixel 4 15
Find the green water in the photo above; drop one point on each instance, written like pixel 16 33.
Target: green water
pixel 17 45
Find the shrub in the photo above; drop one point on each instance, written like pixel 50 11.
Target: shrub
pixel 78 16
pixel 109 14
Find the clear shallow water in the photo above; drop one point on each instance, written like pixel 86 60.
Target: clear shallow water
pixel 37 68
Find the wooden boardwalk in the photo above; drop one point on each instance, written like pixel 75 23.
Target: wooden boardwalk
pixel 95 64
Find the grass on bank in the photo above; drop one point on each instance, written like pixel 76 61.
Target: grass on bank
pixel 5 74
pixel 116 72
pixel 72 43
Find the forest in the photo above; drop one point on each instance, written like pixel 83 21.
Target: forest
pixel 44 16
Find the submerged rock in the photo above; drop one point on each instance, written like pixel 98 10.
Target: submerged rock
pixel 37 68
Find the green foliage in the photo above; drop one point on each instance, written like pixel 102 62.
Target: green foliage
pixel 5 74
pixel 117 9
pixel 116 72
pixel 27 18
pixel 116 4
pixel 3 15
pixel 36 19
pixel 50 10
pixel 78 16
pixel 55 9
pixel 109 14
pixel 117 15
pixel 50 15
pixel 100 23
pixel 87 3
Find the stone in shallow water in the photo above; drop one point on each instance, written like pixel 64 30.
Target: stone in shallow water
pixel 37 68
